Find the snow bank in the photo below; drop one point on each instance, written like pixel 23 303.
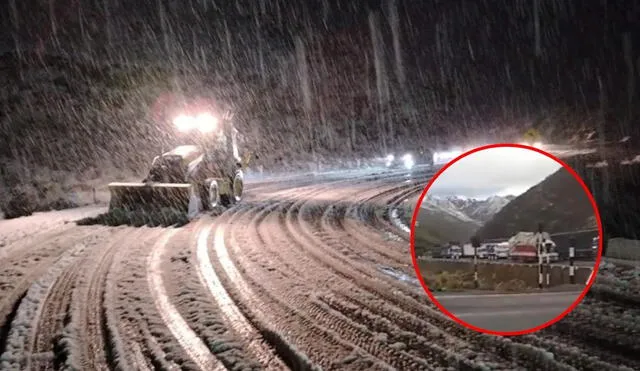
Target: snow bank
pixel 622 248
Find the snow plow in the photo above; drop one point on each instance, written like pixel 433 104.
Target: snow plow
pixel 190 178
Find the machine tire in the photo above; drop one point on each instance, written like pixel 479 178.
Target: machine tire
pixel 238 186
pixel 212 197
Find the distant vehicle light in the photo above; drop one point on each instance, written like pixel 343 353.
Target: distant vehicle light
pixel 445 156
pixel 408 160
pixel 389 159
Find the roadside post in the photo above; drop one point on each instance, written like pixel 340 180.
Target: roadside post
pixel 475 267
pixel 572 254
pixel 475 243
pixel 539 249
pixel 547 254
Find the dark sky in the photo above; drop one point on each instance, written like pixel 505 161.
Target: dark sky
pixel 476 56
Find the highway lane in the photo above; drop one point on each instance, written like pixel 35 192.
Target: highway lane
pixel 558 263
pixel 507 312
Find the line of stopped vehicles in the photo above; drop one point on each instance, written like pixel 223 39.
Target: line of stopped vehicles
pixel 525 247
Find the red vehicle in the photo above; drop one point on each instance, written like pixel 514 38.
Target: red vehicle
pixel 524 248
pixel 524 253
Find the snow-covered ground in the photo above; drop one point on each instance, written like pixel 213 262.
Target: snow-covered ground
pixel 300 275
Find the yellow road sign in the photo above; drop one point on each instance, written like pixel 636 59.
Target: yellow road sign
pixel 532 135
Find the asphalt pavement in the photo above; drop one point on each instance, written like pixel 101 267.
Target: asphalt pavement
pixel 507 312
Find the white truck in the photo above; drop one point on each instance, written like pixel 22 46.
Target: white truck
pixel 468 250
pixel 494 251
pixel 502 250
pixel 454 252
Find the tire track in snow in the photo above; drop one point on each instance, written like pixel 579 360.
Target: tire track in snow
pixel 187 338
pixel 54 313
pixel 21 340
pixel 301 226
pixel 281 271
pixel 230 310
pixel 90 340
pixel 353 284
pixel 323 341
pixel 19 270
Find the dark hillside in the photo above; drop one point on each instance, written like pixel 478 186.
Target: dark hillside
pixel 558 202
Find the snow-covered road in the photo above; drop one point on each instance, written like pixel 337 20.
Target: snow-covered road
pixel 292 278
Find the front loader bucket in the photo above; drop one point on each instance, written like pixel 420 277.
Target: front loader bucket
pixel 154 197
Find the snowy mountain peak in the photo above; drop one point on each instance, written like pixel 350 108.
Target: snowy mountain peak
pixel 469 209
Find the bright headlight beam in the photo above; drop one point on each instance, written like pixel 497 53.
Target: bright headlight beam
pixel 446 156
pixel 183 122
pixel 389 159
pixel 206 122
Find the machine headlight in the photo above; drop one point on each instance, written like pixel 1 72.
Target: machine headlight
pixel 408 161
pixel 184 123
pixel 206 122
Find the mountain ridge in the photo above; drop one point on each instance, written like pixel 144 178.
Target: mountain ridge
pixel 469 208
pixel 558 202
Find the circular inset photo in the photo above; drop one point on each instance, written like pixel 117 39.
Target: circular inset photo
pixel 506 239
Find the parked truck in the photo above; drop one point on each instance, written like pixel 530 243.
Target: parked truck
pixel 468 251
pixel 524 247
pixel 494 251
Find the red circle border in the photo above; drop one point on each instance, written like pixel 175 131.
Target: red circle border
pixel 414 258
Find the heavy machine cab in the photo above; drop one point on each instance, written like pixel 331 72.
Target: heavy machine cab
pixel 174 166
pixel 200 175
